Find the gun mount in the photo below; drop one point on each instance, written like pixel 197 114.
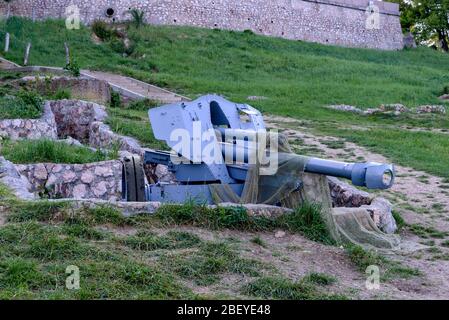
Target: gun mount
pixel 211 123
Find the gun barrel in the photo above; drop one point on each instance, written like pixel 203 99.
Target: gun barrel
pixel 370 174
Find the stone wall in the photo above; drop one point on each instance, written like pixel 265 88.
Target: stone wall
pixel 81 88
pixel 44 127
pixel 339 22
pixel 74 117
pixel 101 180
pixel 102 137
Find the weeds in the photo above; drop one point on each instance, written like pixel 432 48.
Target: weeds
pixel 35 151
pixel 389 269
pixel 284 289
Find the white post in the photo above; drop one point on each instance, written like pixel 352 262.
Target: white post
pixel 27 54
pixel 7 42
pixel 67 54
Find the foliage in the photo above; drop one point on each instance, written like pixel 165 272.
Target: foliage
pixel 427 19
pixel 35 151
pixel 27 104
pixel 102 30
pixel 138 17
pixel 74 68
pixel 116 100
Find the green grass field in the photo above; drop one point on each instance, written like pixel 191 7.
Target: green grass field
pixel 297 78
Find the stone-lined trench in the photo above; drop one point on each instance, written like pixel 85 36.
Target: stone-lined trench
pixel 80 122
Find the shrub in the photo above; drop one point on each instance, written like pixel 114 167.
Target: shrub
pixel 446 89
pixel 138 17
pixel 27 105
pixel 119 46
pixel 116 100
pixel 73 68
pixel 142 105
pixel 61 94
pixel 102 30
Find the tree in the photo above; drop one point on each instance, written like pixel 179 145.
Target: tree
pixel 426 19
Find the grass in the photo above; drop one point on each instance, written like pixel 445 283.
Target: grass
pixel 426 232
pixel 298 79
pixel 33 267
pixel 305 220
pixel 36 151
pixel 26 105
pixel 42 239
pixel 212 260
pixel 134 122
pixel 5 192
pixel 285 289
pixel 320 279
pixel 389 269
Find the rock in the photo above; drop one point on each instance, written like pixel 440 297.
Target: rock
pixel 79 191
pixel 256 98
pixel 380 210
pixel 72 142
pixel 87 177
pixel 68 176
pixel 372 111
pixel 431 109
pixel 103 171
pixel 396 107
pixel 345 108
pixel 409 41
pixel 40 172
pixel 444 97
pixel 279 234
pixel 100 189
pixel 345 195
pixel 14 181
pixel 163 174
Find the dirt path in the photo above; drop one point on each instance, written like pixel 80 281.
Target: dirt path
pixel 421 199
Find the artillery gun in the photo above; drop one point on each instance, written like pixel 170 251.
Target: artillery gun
pixel 233 127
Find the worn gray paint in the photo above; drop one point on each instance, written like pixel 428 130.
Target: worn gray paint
pixel 339 22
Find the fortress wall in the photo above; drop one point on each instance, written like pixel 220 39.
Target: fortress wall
pixel 337 22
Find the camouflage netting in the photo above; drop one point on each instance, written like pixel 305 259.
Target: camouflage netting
pixel 349 225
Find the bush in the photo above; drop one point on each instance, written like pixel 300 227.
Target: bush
pixel 446 89
pixel 61 94
pixel 102 30
pixel 27 105
pixel 138 17
pixel 119 46
pixel 73 68
pixel 116 100
pixel 142 105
